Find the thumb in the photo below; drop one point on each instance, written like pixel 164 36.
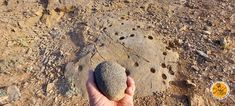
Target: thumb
pixel 90 85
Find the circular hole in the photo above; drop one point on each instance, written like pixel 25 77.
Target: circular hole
pixel 110 25
pixel 132 35
pixel 163 65
pixel 121 38
pixel 150 37
pixel 122 18
pixel 122 23
pixel 164 53
pixel 116 33
pixel 128 72
pixel 136 64
pixel 164 76
pixel 104 28
pixel 152 70
pixel 133 29
pixel 128 56
pixel 138 26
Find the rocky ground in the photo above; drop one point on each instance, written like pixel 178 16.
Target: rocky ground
pixel 174 49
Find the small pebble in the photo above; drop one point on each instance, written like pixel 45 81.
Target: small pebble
pixel 203 54
pixel 195 67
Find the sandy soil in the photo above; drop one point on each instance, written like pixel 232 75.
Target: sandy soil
pixel 39 37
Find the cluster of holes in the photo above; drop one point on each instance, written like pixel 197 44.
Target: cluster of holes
pixel 122 37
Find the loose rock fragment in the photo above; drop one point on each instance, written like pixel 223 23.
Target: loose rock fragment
pixel 111 80
pixel 190 83
pixel 201 53
pixel 13 92
pixel 195 67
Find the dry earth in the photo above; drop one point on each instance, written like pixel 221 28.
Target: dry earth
pixel 174 49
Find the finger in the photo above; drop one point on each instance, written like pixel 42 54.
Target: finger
pixel 130 86
pixel 91 86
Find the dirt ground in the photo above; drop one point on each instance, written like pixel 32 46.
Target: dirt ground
pixel 39 37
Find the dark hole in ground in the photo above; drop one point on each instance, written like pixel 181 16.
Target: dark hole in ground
pixel 164 82
pixel 136 64
pixel 150 37
pixel 168 48
pixel 80 67
pixel 164 53
pixel 5 2
pixel 132 35
pixel 121 38
pixel 164 76
pixel 57 10
pixel 101 45
pixel 152 70
pixel 116 33
pixel 163 65
pixel 128 72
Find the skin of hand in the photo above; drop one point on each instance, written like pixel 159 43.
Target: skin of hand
pixel 96 98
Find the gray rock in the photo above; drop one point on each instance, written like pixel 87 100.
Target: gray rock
pixel 203 54
pixel 13 92
pixel 110 79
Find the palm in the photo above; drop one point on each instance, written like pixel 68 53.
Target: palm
pixel 98 99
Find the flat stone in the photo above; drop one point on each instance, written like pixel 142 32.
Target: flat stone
pixel 13 92
pixel 131 44
pixel 110 78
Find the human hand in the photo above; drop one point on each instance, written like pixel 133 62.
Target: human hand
pixel 96 98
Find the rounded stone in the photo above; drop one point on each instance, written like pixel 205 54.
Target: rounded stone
pixel 110 78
